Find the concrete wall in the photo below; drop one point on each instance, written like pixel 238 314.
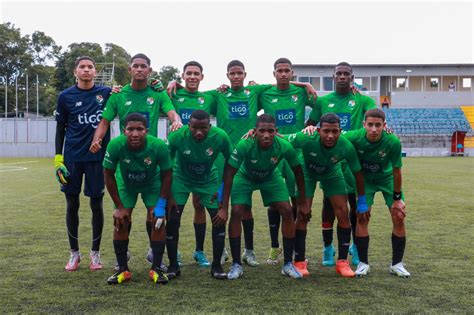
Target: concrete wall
pixel 431 99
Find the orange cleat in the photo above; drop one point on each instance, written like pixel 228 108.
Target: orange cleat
pixel 302 267
pixel 343 268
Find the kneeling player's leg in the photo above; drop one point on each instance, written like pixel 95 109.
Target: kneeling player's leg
pixel 339 204
pixel 218 239
pixel 172 235
pixel 248 226
pixel 235 231
pixel 300 236
pixel 274 226
pixel 398 236
pixel 120 240
pixel 287 228
pixel 199 222
pixel 157 242
pixel 362 238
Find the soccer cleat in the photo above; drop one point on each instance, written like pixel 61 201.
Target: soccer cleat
pixel 236 271
pixel 74 260
pixel 119 277
pixel 328 255
pixel 399 270
pixel 274 256
pixel 200 257
pixel 95 263
pixel 173 272
pixel 224 257
pixel 117 267
pixel 290 271
pixel 355 255
pixel 343 268
pixel 218 273
pixel 178 258
pixel 362 270
pixel 248 257
pixel 302 267
pixel 158 276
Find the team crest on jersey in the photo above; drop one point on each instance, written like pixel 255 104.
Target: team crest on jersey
pixel 247 92
pixel 147 161
pixel 274 100
pixel 201 100
pixel 331 105
pixel 382 154
pixel 150 101
pixel 78 104
pixel 334 159
pixel 128 103
pixel 294 98
pixel 209 151
pixel 274 160
pixel 99 98
pixel 352 103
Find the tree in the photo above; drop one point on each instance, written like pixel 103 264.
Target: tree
pixel 167 74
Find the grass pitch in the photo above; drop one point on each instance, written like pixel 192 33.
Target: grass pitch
pixel 439 254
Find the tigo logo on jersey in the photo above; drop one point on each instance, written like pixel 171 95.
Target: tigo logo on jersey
pixel 185 114
pixel 99 99
pixel 274 160
pixel 92 120
pixel 345 121
pixel 150 101
pixel 209 151
pixel 201 100
pixel 285 117
pixel 147 161
pixel 294 98
pixel 352 103
pixel 238 110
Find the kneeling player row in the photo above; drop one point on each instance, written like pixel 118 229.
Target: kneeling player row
pixel 139 161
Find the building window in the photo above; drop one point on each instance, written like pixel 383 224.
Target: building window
pixel 303 79
pixel 434 82
pixel 401 82
pixel 328 84
pixel 466 83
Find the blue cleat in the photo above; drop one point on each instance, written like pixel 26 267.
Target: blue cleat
pixel 236 271
pixel 328 255
pixel 355 255
pixel 290 271
pixel 200 257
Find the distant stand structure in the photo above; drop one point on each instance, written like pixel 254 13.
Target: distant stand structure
pixel 105 73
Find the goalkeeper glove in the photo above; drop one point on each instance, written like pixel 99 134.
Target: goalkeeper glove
pixel 156 84
pixel 60 169
pixel 159 212
pixel 220 193
pixel 362 206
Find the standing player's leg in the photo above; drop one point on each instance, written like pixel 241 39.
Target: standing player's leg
pixel 235 231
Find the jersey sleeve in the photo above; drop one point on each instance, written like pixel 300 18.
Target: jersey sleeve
pixel 369 104
pixel 238 154
pixel 350 135
pixel 110 110
pixel 215 96
pixel 226 146
pixel 290 155
pixel 111 157
pixel 296 139
pixel 165 102
pixel 259 88
pixel 61 113
pixel 316 114
pixel 396 157
pixel 163 156
pixel 351 156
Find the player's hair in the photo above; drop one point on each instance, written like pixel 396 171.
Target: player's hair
pixel 80 58
pixel 343 63
pixel 376 113
pixel 200 114
pixel 282 60
pixel 135 117
pixel 141 56
pixel 329 118
pixel 192 63
pixel 235 63
pixel 265 118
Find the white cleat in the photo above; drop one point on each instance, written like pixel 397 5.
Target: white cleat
pixel 399 270
pixel 362 270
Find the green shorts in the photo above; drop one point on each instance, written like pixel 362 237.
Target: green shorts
pixel 332 185
pixel 289 176
pixel 271 190
pixel 129 195
pixel 182 188
pixel 386 187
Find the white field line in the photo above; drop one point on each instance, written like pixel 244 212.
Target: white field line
pixel 15 163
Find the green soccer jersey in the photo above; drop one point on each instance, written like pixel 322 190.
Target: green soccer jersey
pixel 147 102
pixel 187 102
pixel 377 158
pixel 350 108
pixel 257 164
pixel 321 162
pixel 236 111
pixel 138 169
pixel 287 106
pixel 194 160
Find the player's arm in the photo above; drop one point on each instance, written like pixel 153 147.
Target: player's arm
pixel 61 114
pixel 223 213
pixel 99 134
pixel 315 114
pixel 168 108
pixel 172 87
pixel 310 91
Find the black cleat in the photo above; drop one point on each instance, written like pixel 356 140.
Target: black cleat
pixel 158 276
pixel 217 272
pixel 173 272
pixel 119 277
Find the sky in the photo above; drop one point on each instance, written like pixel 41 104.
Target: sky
pixel 258 32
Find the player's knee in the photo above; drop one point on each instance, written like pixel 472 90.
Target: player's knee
pixel 286 212
pixel 247 215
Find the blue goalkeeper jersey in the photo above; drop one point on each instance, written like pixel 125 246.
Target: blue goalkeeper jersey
pixel 81 111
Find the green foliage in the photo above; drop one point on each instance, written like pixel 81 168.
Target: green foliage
pixel 121 58
pixel 439 255
pixel 167 74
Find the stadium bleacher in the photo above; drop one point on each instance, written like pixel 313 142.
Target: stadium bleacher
pixel 427 121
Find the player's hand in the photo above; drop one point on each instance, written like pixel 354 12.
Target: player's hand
pixel 252 83
pixel 175 125
pixel 249 134
pixel 310 130
pixel 156 84
pixel 221 217
pixel 116 89
pixel 159 212
pixel 120 215
pixel 388 130
pixel 60 169
pixel 355 90
pixel 399 207
pixel 223 88
pixel 304 213
pixel 312 94
pixel 171 88
pixel 96 145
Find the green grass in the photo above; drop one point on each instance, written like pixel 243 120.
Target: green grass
pixel 439 254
